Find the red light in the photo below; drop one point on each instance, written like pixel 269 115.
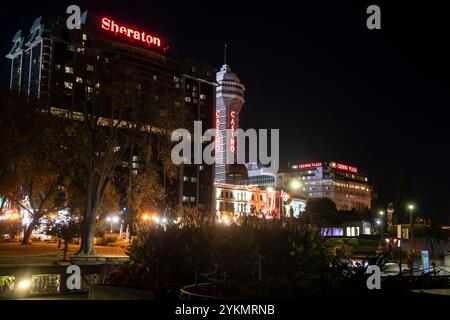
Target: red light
pixel 233 127
pixel 346 168
pixel 307 165
pixel 131 33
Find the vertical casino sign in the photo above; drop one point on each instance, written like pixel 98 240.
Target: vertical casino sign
pixel 233 128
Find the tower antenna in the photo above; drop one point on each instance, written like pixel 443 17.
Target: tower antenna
pixel 225 53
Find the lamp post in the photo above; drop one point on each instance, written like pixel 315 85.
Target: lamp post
pixel 112 220
pixel 411 223
pixel 411 219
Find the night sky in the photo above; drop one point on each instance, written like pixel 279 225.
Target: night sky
pixel 376 99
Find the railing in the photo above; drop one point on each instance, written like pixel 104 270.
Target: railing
pixel 201 291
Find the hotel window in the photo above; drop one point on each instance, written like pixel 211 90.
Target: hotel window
pixel 194 179
pixel 89 89
pixel 194 88
pixel 185 199
pixel 57 67
pixel 185 179
pixel 89 67
pixel 176 79
pixel 188 86
pixel 68 85
pixel 84 37
pixel 192 199
pixel 194 94
pixel 202 97
pixel 79 80
pixel 68 69
pixel 97 85
pixel 200 168
pixel 195 100
pixel 155 78
pixel 187 99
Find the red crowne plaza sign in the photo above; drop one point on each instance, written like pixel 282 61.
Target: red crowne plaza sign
pixel 132 34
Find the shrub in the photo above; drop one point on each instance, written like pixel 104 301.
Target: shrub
pixel 172 256
pixel 107 239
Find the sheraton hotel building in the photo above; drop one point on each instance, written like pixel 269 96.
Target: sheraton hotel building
pixel 61 66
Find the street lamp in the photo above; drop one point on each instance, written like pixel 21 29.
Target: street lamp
pixel 295 184
pixel 381 213
pixel 411 208
pixel 112 220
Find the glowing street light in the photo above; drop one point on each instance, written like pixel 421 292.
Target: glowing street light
pixel 411 208
pixel 295 184
pixel 381 213
pixel 24 284
pixel 112 220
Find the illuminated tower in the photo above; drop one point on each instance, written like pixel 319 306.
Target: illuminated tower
pixel 229 101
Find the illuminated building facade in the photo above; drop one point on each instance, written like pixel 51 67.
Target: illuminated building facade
pixel 346 185
pixel 234 201
pixel 62 67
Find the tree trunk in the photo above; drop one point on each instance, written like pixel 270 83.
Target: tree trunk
pixel 88 235
pixel 27 235
pixel 88 227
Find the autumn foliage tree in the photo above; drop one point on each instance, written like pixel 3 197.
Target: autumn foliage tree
pixel 30 176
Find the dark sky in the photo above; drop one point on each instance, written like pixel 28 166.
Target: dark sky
pixel 377 99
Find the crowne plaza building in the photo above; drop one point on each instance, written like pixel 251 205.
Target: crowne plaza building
pixel 345 185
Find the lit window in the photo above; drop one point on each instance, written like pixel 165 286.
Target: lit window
pixel 185 199
pixel 89 89
pixel 57 66
pixel 68 85
pixel 176 79
pixel 192 199
pixel 89 67
pixel 79 80
pixel 194 94
pixel 84 37
pixel 155 78
pixel 187 99
pixel 194 179
pixel 202 97
pixel 185 178
pixel 68 69
pixel 201 168
pixel 194 88
pixel 97 85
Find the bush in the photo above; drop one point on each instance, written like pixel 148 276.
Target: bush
pixel 107 240
pixel 172 256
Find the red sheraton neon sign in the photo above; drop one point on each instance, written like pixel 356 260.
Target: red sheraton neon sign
pixel 131 33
